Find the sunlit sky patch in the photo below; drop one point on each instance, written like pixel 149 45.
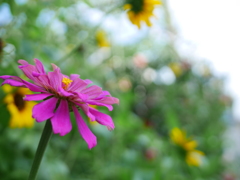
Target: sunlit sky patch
pixel 5 14
pixel 210 29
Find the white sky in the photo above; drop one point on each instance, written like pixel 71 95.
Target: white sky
pixel 214 28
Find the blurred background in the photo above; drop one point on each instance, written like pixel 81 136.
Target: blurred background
pixel 170 63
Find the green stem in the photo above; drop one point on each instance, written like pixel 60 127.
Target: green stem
pixel 46 134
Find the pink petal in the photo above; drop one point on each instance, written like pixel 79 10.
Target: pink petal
pixel 44 110
pixel 55 78
pixel 88 81
pixel 83 129
pixel 23 62
pixel 85 109
pixel 36 97
pixel 106 101
pixel 77 85
pixel 28 69
pixel 92 91
pixel 74 76
pixel 55 67
pixel 109 100
pixel 104 94
pixel 83 97
pixel 63 92
pixel 92 102
pixel 16 81
pixel 43 79
pixel 35 74
pixel 39 66
pixel 13 83
pixel 5 77
pixel 33 87
pixel 102 118
pixel 61 120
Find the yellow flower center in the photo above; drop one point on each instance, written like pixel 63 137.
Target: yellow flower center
pixel 66 82
pixel 101 39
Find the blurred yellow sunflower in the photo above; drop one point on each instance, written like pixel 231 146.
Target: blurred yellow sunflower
pixel 20 110
pixel 141 10
pixel 192 156
pixel 102 39
pixel 176 68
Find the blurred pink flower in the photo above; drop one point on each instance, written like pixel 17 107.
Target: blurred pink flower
pixel 140 61
pixel 229 177
pixel 150 154
pixel 62 94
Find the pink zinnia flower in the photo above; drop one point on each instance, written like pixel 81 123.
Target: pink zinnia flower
pixel 62 94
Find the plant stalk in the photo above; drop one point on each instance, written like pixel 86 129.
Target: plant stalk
pixel 46 134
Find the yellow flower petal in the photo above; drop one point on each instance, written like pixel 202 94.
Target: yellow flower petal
pixel 190 145
pixel 20 119
pixel 153 2
pixel 7 88
pixel 8 99
pixel 127 6
pixel 194 158
pixel 178 136
pixel 136 17
pixel 176 69
pixel 101 39
pixel 23 91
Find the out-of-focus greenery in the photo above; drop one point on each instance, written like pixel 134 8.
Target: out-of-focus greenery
pixel 158 90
